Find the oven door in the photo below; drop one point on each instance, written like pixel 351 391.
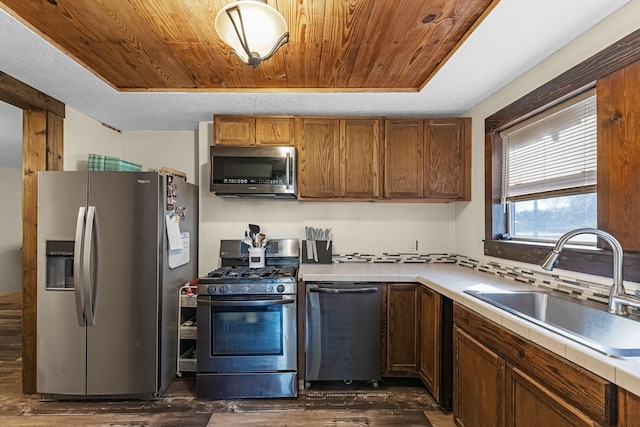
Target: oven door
pixel 247 333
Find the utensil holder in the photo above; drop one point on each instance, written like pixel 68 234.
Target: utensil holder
pixel 256 257
pixel 325 254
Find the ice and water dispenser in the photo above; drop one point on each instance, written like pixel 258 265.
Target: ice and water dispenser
pixel 59 264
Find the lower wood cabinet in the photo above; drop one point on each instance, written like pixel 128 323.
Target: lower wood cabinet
pixel 417 337
pixel 430 338
pixel 503 379
pixel 628 409
pixel 531 404
pixel 478 385
pixel 435 367
pixel 400 339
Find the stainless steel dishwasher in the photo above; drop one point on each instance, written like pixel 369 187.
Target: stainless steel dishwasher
pixel 342 332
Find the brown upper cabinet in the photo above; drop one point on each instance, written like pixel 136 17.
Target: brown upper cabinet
pixel 254 130
pixel 318 157
pixel 447 159
pixel 427 159
pixel 360 158
pixel 338 158
pixel 403 158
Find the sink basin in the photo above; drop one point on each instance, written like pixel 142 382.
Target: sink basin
pixel 580 321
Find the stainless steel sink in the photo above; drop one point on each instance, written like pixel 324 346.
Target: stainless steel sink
pixel 580 321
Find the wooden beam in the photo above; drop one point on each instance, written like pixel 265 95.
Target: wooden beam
pixel 55 133
pixel 23 96
pixel 42 149
pixel 34 159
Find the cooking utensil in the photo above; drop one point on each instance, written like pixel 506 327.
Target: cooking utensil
pixel 254 231
pixel 329 238
pixel 307 231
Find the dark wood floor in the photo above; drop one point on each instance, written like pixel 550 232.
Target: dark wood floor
pixel 394 403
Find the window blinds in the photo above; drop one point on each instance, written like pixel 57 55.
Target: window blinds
pixel 553 153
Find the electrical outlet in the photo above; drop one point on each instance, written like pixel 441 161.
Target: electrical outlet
pixel 413 245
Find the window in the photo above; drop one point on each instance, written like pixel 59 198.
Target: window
pixel 615 72
pixel 549 171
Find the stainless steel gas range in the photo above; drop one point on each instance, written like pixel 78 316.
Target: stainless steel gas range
pixel 247 324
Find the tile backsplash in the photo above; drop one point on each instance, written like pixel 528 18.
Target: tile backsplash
pixel 577 288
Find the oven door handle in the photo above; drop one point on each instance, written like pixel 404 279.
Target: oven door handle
pixel 344 290
pixel 255 303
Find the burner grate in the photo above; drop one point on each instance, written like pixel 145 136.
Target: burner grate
pixel 240 272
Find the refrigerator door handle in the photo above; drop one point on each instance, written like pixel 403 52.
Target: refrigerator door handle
pixel 89 276
pixel 77 267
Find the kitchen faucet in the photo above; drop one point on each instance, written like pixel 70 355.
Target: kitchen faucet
pixel 618 298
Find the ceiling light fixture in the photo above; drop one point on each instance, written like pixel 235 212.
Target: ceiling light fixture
pixel 253 29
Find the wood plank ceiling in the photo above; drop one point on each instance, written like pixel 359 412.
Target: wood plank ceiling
pixel 334 45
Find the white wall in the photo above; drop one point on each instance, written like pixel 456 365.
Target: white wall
pixel 11 235
pixel 469 217
pixel 152 149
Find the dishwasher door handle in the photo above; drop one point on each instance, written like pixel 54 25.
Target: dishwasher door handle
pixel 344 290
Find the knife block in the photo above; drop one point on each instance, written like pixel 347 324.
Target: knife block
pixel 325 256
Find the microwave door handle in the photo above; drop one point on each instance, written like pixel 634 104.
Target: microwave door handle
pixel 287 166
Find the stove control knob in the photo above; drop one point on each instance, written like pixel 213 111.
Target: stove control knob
pixel 280 288
pixel 269 288
pixel 224 289
pixel 211 289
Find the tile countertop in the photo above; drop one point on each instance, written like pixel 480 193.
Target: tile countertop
pixel 451 280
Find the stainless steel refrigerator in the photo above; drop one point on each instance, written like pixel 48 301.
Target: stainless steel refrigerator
pixel 113 250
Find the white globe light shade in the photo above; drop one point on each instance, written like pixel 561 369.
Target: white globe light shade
pixel 264 28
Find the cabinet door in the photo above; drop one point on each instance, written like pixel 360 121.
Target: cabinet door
pixel 360 158
pixel 234 130
pixel 402 329
pixel 448 159
pixel 628 408
pixel 276 130
pixel 430 316
pixel 318 157
pixel 478 385
pixel 530 404
pixel 403 158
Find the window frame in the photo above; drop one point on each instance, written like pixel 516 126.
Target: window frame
pixel 568 84
pixel 538 190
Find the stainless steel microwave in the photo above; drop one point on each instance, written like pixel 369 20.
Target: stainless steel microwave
pixel 253 171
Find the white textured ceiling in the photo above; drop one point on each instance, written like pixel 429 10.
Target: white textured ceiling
pixel 522 32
